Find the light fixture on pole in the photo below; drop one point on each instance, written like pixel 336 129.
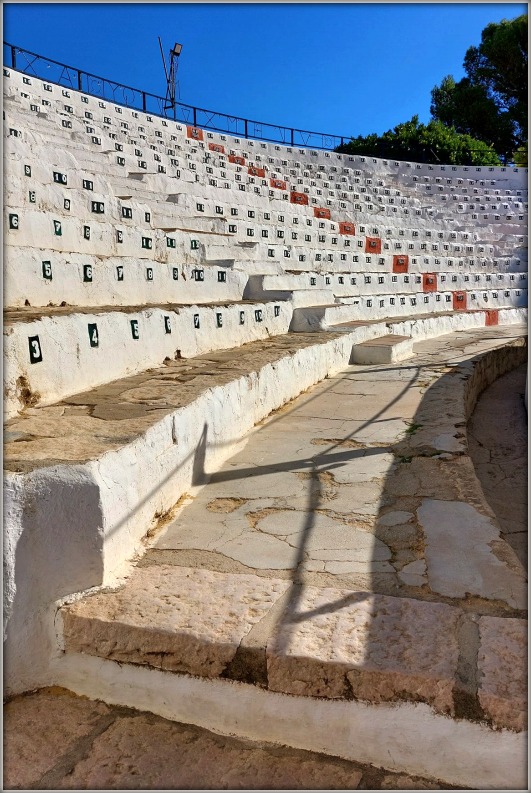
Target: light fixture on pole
pixel 171 76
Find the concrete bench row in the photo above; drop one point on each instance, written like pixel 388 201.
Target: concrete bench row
pixel 16 82
pixel 50 354
pixel 190 185
pixel 292 169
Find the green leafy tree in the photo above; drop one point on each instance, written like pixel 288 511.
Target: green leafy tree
pixel 490 103
pixel 470 110
pixel 427 143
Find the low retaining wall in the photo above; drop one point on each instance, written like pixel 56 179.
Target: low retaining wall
pixel 429 327
pixel 71 364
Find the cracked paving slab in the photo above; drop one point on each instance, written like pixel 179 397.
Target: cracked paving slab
pixel 461 557
pixel 320 562
pixel 324 487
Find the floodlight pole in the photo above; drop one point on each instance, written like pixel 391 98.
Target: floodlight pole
pixel 171 77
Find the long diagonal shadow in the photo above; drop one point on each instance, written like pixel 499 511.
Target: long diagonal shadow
pixel 200 475
pixel 291 615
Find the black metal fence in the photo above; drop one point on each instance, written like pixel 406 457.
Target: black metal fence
pixel 69 77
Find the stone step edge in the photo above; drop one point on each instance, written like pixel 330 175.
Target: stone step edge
pixel 399 736
pixel 351 645
pixel 315 318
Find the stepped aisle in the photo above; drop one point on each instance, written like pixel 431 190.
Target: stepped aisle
pixel 348 555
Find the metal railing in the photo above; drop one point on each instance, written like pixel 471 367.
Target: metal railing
pixel 51 71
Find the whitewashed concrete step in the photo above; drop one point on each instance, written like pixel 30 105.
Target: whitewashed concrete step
pixel 300 298
pixel 53 353
pixel 386 349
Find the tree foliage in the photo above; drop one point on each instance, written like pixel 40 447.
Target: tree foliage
pixel 470 110
pixel 490 103
pixel 427 143
pixel 480 120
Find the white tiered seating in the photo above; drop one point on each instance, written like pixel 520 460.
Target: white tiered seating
pixel 110 209
pixel 133 241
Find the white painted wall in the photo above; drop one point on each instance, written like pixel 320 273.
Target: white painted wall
pixel 24 281
pixel 70 365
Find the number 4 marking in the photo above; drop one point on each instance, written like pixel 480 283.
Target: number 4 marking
pixel 93 334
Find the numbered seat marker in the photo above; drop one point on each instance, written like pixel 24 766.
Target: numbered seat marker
pixel 93 334
pixel 35 351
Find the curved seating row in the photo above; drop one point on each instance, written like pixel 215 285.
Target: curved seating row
pixel 111 213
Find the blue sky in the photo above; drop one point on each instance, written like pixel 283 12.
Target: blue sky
pixel 344 68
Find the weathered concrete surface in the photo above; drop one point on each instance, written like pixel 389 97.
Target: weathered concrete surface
pixel 502 667
pixel 106 418
pixel 377 549
pixel 54 740
pixel 68 366
pixel 497 440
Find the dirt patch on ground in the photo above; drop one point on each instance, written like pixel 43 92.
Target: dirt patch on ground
pixel 225 505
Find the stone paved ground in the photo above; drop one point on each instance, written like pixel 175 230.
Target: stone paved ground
pixel 324 488
pixel 348 479
pixel 54 740
pixel 346 551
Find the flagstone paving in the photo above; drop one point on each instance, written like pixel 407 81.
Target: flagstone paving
pixel 347 551
pixel 321 489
